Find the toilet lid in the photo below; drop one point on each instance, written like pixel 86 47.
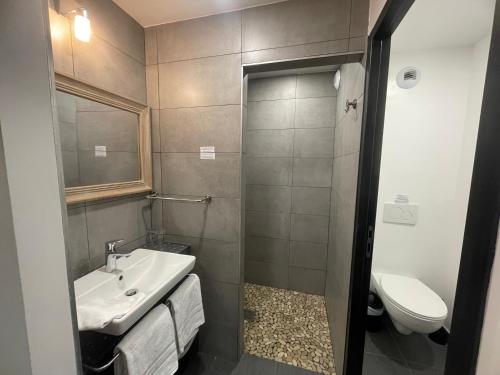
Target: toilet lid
pixel 413 296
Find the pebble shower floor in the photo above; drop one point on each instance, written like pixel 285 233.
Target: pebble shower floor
pixel 289 327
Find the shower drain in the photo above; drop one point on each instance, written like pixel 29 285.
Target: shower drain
pixel 131 292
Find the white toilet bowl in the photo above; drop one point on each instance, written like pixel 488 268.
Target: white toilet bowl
pixel 412 305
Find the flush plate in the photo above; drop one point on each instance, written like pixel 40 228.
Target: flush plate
pixel 400 213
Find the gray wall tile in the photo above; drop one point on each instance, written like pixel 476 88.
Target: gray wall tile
pixel 123 218
pixel 267 171
pixel 220 301
pixel 295 22
pixel 212 79
pixel 267 224
pixel 311 201
pixel 273 114
pixel 107 67
pixel 359 18
pixel 345 171
pixel 155 130
pixel 315 112
pixel 219 339
pixel 312 172
pixel 152 82
pixel 150 46
pixel 201 37
pixel 272 88
pixel 358 44
pixel 268 198
pixel 308 255
pixel 78 242
pixel 201 82
pixel 113 60
pixel 218 220
pixel 156 206
pixel 187 174
pixel 307 280
pixel 313 143
pixel 61 43
pixel 309 228
pixel 111 23
pixel 270 274
pixel 315 85
pixel 217 260
pixel 352 87
pixel 348 132
pixel 306 221
pixel 187 129
pixel 293 52
pixel 269 142
pixel 345 174
pixel 264 249
pixel 157 172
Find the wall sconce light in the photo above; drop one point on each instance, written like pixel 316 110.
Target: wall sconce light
pixel 81 24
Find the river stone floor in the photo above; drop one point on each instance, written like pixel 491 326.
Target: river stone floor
pixel 289 327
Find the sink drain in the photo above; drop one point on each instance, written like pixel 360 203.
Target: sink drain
pixel 131 292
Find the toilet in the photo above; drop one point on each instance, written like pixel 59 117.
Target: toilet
pixel 412 305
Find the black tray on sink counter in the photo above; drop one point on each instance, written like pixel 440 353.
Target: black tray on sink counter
pixel 169 247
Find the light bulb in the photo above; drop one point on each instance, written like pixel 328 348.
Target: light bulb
pixel 82 27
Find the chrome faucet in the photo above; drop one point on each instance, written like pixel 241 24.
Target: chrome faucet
pixel 111 255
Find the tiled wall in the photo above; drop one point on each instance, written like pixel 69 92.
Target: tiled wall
pixel 288 151
pixel 344 187
pixel 193 71
pixel 114 60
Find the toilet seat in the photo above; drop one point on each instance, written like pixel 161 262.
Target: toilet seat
pixel 413 297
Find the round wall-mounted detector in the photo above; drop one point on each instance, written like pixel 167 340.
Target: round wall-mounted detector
pixel 336 80
pixel 408 77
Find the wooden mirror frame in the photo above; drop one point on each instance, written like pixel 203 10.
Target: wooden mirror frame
pixel 94 192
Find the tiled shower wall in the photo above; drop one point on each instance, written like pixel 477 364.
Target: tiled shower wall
pixel 114 60
pixel 288 161
pixel 194 87
pixel 343 202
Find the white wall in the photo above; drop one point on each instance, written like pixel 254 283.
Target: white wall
pixel 429 141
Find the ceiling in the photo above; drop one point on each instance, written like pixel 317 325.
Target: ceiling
pixel 156 12
pixel 443 23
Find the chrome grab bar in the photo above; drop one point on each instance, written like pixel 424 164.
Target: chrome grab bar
pixel 205 199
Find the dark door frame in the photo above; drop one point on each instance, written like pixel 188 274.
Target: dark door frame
pixel 478 249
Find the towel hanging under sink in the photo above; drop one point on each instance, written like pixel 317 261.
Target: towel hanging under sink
pixel 188 310
pixel 149 348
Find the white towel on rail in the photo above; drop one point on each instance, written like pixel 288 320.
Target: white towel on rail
pixel 149 348
pixel 188 309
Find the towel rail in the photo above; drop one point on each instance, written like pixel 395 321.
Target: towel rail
pixel 103 367
pixel 205 199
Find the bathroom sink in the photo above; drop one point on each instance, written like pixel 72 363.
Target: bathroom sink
pixel 150 272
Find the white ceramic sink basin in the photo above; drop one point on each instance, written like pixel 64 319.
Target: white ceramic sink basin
pixel 151 272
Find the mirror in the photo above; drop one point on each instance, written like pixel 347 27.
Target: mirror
pixel 99 143
pixel 105 142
